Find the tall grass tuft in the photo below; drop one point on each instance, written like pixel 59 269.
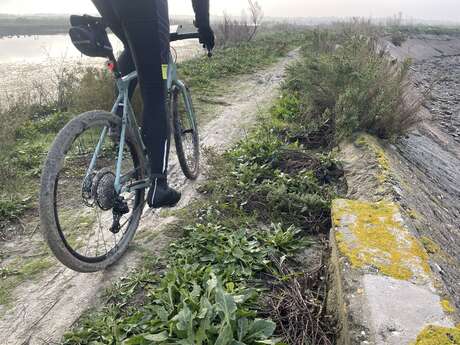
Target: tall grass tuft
pixel 345 83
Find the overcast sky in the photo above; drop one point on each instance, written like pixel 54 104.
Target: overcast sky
pixel 446 10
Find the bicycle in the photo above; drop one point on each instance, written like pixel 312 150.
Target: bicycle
pixel 101 157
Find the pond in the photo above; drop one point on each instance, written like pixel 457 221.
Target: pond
pixel 34 61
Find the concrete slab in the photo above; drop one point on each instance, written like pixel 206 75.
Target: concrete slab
pixel 382 287
pixel 400 310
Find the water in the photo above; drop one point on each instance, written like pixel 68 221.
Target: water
pixel 33 62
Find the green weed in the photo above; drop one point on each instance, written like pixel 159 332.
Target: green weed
pixel 195 302
pixel 12 207
pixel 262 199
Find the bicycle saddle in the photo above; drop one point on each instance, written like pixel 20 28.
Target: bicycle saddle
pixel 84 20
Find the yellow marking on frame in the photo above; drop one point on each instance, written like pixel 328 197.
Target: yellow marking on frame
pixel 164 69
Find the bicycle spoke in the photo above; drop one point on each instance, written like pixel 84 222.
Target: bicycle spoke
pixel 127 221
pixel 87 244
pixel 115 241
pixel 97 244
pixel 101 231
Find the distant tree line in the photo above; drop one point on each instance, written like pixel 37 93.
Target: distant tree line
pixel 32 25
pixel 49 25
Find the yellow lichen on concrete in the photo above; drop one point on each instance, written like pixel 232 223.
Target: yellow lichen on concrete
pixel 369 143
pixel 447 307
pixel 435 335
pixel 372 235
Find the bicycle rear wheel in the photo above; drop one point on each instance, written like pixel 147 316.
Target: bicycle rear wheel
pixel 77 210
pixel 185 133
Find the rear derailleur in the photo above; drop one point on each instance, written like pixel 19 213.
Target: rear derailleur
pixel 120 208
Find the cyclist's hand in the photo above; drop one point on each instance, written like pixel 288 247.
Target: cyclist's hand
pixel 207 37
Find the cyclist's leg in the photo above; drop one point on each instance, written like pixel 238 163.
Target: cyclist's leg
pixel 146 27
pixel 126 65
pixel 125 60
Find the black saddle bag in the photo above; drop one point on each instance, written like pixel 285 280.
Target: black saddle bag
pixel 89 36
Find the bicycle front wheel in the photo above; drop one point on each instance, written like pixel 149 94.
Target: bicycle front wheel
pixel 80 211
pixel 185 132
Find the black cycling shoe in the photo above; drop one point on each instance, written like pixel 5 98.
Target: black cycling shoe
pixel 161 195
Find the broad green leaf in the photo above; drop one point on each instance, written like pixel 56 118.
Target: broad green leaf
pixel 157 337
pixel 162 313
pixel 185 342
pixel 243 327
pixel 201 333
pixel 261 329
pixel 137 340
pixel 225 335
pixel 226 303
pixel 183 319
pixel 205 308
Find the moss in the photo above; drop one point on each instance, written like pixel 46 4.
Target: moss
pixel 447 307
pixel 430 246
pixel 435 335
pixel 374 236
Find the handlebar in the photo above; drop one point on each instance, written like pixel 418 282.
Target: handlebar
pixel 183 36
pixel 98 21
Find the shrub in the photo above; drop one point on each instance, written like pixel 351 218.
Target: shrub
pixel 398 38
pixel 351 87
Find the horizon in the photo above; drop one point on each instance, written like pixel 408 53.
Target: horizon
pixel 318 19
pixel 412 10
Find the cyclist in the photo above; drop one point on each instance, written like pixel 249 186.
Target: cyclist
pixel 143 27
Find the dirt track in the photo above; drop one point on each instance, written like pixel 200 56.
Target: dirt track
pixel 45 308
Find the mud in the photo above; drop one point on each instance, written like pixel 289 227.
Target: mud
pixel 427 161
pixel 45 308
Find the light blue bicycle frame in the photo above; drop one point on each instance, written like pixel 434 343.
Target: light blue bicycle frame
pixel 129 121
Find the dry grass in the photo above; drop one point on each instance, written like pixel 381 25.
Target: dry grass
pixel 297 304
pixel 233 31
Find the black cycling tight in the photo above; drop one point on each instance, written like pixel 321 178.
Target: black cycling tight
pixel 143 27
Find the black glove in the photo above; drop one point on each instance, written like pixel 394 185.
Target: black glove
pixel 207 37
